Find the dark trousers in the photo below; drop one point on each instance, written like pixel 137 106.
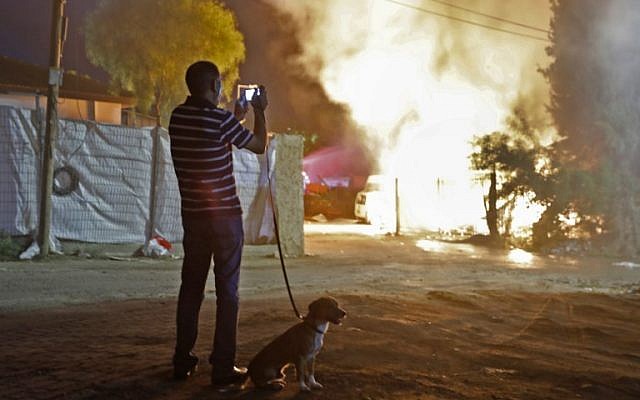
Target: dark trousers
pixel 222 238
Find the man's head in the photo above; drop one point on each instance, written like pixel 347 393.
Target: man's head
pixel 203 80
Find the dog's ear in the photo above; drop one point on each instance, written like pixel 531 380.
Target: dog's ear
pixel 317 308
pixel 314 308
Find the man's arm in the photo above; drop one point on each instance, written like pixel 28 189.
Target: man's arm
pixel 258 142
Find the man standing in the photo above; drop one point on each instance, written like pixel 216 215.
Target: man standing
pixel 201 138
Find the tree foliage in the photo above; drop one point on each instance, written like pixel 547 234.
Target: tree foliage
pixel 595 97
pixel 147 45
pixel 516 165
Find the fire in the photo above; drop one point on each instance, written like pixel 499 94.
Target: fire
pixel 421 87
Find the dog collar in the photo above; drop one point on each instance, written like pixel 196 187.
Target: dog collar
pixel 313 327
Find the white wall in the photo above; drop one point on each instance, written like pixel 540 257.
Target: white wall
pixel 108 113
pixel 73 109
pixel 104 112
pixel 21 100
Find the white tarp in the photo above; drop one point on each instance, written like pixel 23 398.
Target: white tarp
pixel 109 169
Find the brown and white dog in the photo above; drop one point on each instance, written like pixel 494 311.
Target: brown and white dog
pixel 299 346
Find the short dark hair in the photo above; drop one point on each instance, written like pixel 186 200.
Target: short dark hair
pixel 200 76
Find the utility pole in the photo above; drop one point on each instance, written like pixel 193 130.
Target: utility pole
pixel 58 30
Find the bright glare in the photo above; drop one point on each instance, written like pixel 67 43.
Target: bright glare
pixel 346 227
pixel 429 245
pixel 526 213
pixel 434 246
pixel 520 256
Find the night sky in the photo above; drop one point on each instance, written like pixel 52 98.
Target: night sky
pixel 24 34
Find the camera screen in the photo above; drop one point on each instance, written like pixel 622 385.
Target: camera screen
pixel 246 93
pixel 249 93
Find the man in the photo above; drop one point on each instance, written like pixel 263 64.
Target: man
pixel 201 138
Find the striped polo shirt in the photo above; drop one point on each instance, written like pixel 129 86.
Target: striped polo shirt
pixel 201 138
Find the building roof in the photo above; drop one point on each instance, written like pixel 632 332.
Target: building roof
pixel 19 76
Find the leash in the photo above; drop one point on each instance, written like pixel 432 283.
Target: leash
pixel 277 233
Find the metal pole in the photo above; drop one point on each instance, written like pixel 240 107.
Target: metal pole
pixel 55 77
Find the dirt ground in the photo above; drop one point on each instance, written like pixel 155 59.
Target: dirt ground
pixel 426 320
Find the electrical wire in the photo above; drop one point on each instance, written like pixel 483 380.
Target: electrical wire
pixel 466 21
pixel 508 21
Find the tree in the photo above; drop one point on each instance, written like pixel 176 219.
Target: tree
pixel 147 45
pixel 486 159
pixel 507 163
pixel 516 165
pixel 595 92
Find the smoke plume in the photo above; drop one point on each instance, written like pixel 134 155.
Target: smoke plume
pixel 421 86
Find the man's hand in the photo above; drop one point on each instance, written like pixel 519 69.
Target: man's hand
pixel 260 102
pixel 240 110
pixel 258 142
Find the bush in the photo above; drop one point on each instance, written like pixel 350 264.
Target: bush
pixel 9 248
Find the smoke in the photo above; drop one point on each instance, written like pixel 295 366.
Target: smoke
pixel 615 110
pixel 594 82
pixel 617 52
pixel 594 78
pixel 420 86
pixel 297 100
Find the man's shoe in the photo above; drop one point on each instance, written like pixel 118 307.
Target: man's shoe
pixel 184 366
pixel 232 381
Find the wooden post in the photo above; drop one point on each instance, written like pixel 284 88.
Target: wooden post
pixel 155 148
pixel 397 208
pixel 55 78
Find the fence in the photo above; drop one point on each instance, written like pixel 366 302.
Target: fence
pixel 104 189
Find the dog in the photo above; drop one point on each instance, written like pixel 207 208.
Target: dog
pixel 299 346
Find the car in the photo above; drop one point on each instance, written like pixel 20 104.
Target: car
pixel 375 203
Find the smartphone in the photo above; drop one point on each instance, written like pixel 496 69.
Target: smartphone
pixel 247 92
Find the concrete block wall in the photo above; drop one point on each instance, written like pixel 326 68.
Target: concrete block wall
pixel 289 193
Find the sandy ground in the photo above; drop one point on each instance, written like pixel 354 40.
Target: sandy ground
pixel 427 320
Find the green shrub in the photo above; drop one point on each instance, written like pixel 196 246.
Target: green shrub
pixel 9 248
